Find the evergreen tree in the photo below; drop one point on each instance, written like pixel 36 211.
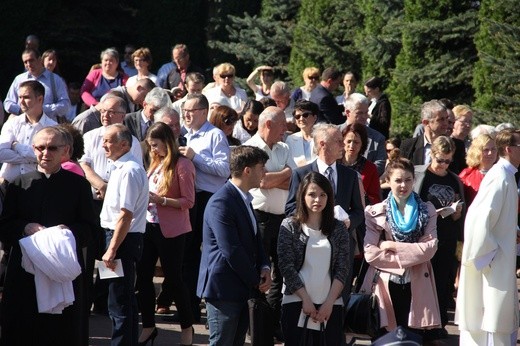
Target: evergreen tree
pixel 436 59
pixel 497 72
pixel 324 36
pixel 254 39
pixel 380 40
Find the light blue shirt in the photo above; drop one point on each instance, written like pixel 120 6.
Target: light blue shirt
pixel 52 108
pixel 211 158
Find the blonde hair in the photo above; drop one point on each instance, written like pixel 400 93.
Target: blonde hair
pixel 309 71
pixel 225 68
pixel 474 154
pixel 143 53
pixel 461 110
pixel 443 145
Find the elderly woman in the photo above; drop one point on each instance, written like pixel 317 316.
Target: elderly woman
pixel 247 124
pixel 225 118
pixel 100 80
pixel 301 144
pixel 401 239
pixel 142 59
pixel 311 78
pixel 438 185
pixel 234 96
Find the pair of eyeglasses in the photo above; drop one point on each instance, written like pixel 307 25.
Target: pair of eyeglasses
pixel 313 77
pixel 41 148
pixel 304 114
pixel 230 121
pixel 443 161
pixel 224 76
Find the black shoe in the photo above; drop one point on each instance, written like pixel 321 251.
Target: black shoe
pixel 278 336
pixel 150 337
pixel 175 318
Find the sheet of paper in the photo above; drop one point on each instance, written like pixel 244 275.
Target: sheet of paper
pixel 310 323
pixel 106 273
pixel 447 211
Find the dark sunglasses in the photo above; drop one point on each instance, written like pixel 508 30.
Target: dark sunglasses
pixel 224 76
pixel 230 121
pixel 304 114
pixel 313 77
pixel 446 161
pixel 41 148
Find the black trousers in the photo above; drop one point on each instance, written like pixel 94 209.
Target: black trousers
pixel 192 254
pixel 442 263
pixel 171 252
pixel 269 227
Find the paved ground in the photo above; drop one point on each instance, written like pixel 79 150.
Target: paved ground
pixel 169 334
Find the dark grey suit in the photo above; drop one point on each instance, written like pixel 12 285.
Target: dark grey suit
pixel 133 122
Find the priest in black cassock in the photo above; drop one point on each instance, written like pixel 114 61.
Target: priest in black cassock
pixel 49 196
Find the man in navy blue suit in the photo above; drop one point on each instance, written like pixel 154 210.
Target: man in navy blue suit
pixel 233 263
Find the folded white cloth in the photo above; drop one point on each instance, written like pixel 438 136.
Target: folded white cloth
pixel 50 255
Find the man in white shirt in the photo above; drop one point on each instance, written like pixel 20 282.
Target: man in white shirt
pixel 269 200
pixel 97 167
pixel 123 217
pixel 16 152
pixel 56 100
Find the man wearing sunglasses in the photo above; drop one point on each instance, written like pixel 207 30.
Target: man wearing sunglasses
pixel 16 153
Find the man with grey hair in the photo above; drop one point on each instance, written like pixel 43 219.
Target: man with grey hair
pixel 434 117
pixel 97 168
pixel 139 122
pixel 123 219
pixel 356 111
pixel 269 200
pixel 281 94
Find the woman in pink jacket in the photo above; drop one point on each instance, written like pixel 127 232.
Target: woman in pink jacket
pixel 400 240
pixel 172 193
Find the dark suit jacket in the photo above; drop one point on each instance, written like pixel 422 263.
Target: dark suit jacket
pixel 413 150
pixel 330 111
pixel 133 122
pixel 232 255
pixel 348 196
pixel 174 77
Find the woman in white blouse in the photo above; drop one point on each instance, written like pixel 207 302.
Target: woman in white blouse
pixel 301 144
pixel 235 96
pixel 142 61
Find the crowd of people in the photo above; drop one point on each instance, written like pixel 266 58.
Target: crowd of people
pixel 299 194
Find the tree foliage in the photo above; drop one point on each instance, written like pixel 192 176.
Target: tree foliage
pixel 324 36
pixel 436 59
pixel 254 39
pixel 497 72
pixel 380 40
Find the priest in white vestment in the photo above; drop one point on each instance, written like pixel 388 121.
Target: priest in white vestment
pixel 487 300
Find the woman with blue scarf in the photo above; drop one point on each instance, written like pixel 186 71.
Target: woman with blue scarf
pixel 400 240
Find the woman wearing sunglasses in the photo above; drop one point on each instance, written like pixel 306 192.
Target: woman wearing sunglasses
pixel 301 144
pixel 437 184
pixel 311 78
pixel 234 96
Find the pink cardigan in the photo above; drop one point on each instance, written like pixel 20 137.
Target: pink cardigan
pixel 175 221
pixel 424 310
pixel 91 82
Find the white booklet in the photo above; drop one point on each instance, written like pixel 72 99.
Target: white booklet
pixel 447 211
pixel 106 273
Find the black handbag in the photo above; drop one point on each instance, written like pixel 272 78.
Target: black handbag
pixel 362 312
pixel 261 328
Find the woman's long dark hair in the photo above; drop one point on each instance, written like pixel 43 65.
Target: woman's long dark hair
pixel 327 215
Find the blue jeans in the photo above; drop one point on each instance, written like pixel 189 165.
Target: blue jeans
pixel 228 322
pixel 122 303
